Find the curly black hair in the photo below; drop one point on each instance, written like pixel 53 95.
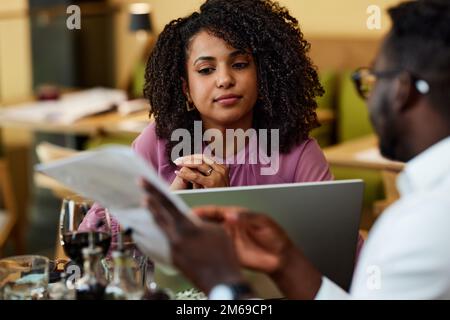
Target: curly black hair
pixel 288 82
pixel 419 42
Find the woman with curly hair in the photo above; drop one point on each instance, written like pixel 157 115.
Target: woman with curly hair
pixel 235 64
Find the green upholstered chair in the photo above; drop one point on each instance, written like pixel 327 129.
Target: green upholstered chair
pixel 125 139
pixel 138 81
pixel 325 134
pixel 353 117
pixel 353 122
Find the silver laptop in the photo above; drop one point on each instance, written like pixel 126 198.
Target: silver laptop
pixel 321 218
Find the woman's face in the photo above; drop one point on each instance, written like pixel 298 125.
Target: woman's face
pixel 222 82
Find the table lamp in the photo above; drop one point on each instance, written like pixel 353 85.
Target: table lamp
pixel 141 26
pixel 140 19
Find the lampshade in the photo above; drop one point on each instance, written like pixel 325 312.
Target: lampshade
pixel 140 18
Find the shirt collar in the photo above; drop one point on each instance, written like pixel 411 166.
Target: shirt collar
pixel 426 170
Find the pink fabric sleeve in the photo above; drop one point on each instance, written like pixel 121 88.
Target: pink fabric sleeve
pixel 96 214
pixel 312 165
pixel 148 146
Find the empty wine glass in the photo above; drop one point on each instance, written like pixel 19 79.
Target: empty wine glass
pixel 142 265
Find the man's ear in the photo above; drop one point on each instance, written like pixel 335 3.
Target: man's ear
pixel 404 95
pixel 185 88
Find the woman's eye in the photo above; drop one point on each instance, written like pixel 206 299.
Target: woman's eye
pixel 205 71
pixel 240 65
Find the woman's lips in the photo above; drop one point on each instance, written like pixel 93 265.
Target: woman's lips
pixel 228 100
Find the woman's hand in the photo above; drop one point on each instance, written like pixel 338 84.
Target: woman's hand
pixel 179 184
pixel 201 171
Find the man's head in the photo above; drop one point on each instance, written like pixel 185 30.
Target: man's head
pixel 410 103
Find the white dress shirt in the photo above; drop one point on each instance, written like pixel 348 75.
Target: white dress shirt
pixel 407 254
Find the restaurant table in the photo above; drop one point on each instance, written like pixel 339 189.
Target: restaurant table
pixel 363 153
pixel 108 122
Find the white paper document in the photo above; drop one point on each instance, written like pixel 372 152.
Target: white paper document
pixel 110 176
pixel 131 106
pixel 70 108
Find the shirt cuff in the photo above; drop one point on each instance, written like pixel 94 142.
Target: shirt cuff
pixel 331 291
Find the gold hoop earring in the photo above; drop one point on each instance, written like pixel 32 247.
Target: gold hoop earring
pixel 189 107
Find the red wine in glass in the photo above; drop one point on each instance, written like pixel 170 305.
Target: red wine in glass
pixel 74 242
pixel 74 236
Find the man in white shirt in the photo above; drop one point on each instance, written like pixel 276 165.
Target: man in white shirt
pixel 407 254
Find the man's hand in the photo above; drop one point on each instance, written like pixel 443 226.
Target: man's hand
pixel 262 245
pixel 203 252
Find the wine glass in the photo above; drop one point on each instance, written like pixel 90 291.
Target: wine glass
pixel 75 233
pixel 24 277
pixel 142 266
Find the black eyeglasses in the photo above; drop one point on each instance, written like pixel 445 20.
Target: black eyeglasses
pixel 364 80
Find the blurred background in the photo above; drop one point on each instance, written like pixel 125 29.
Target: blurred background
pixel 40 58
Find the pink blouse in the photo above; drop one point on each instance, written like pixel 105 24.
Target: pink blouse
pixel 304 163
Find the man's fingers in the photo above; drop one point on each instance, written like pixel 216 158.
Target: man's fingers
pixel 164 208
pixel 150 189
pixel 155 193
pixel 162 219
pixel 220 214
pixel 264 231
pixel 255 220
pixel 210 213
